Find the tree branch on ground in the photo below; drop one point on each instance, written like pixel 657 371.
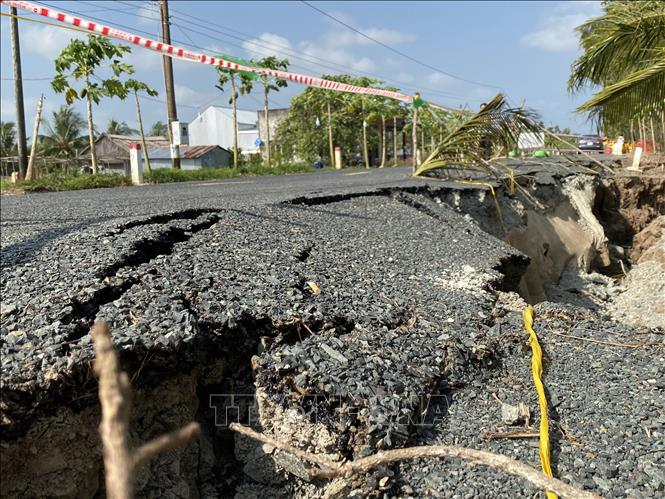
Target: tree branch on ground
pixel 497 461
pixel 121 465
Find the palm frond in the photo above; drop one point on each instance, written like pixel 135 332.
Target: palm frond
pixel 464 146
pixel 616 43
pixel 641 92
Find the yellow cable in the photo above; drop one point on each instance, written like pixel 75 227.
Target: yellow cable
pixel 537 371
pixel 73 28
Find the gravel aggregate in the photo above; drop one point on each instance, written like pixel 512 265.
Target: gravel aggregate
pixel 365 290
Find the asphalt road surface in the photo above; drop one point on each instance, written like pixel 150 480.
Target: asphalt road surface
pixel 352 285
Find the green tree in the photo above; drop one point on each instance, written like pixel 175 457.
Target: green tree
pixel 77 63
pixel 624 53
pixel 302 133
pixel 158 129
pixel 7 138
pixel 135 87
pixel 115 127
pixel 271 62
pixel 363 106
pixel 241 84
pixel 64 134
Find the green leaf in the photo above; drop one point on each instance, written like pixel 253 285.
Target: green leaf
pixel 71 95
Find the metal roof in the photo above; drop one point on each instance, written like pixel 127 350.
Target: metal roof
pixel 186 152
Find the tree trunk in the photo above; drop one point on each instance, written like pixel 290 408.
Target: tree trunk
pixel 662 129
pixel 414 138
pixel 143 144
pixel 265 110
pixel 394 140
pixel 422 141
pixel 384 146
pixel 93 152
pixel 641 123
pixel 31 172
pixel 331 149
pixel 653 134
pixel 365 151
pixel 235 121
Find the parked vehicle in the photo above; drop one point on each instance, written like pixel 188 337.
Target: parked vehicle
pixel 590 143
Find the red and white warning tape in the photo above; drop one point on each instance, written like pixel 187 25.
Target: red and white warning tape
pixel 181 53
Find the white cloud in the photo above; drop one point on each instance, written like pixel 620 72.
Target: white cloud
pixel 348 38
pixel 336 45
pixel 187 96
pixel 47 42
pixel 268 44
pixel 558 33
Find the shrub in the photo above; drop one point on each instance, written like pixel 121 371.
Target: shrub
pixel 167 175
pixel 75 182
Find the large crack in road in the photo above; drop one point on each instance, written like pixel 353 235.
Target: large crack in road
pixel 409 325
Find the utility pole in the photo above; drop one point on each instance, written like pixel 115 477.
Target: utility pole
pixel 18 94
pixel 172 113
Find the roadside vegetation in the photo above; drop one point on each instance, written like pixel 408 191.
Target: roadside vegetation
pixel 65 182
pixel 72 182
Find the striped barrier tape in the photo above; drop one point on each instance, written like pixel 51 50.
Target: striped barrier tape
pixel 537 371
pixel 187 55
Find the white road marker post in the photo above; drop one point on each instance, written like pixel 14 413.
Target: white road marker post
pixel 636 159
pixel 338 158
pixel 136 164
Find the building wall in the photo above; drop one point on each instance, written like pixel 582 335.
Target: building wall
pixel 215 126
pixel 185 164
pixel 213 159
pixel 274 117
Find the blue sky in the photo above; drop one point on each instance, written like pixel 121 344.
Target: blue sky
pixel 525 48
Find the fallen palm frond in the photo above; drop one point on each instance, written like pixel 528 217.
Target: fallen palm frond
pixel 365 464
pixel 467 146
pixel 120 463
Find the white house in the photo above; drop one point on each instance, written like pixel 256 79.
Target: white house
pixel 215 126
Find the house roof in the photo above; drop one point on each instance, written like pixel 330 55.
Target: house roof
pixel 186 152
pixel 124 141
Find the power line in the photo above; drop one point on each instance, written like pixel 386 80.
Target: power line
pixel 398 52
pixel 297 56
pixel 304 57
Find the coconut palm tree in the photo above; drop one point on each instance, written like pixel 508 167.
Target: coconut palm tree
pixel 158 129
pixel 114 127
pixel 624 53
pixel 7 138
pixel 64 133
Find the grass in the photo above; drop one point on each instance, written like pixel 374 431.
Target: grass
pixel 61 182
pixel 166 175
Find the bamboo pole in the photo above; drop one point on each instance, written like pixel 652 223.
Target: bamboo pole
pixel 31 172
pixel 141 132
pixel 653 134
pixel 414 138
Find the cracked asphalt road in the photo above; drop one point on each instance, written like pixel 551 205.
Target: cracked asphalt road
pixel 409 306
